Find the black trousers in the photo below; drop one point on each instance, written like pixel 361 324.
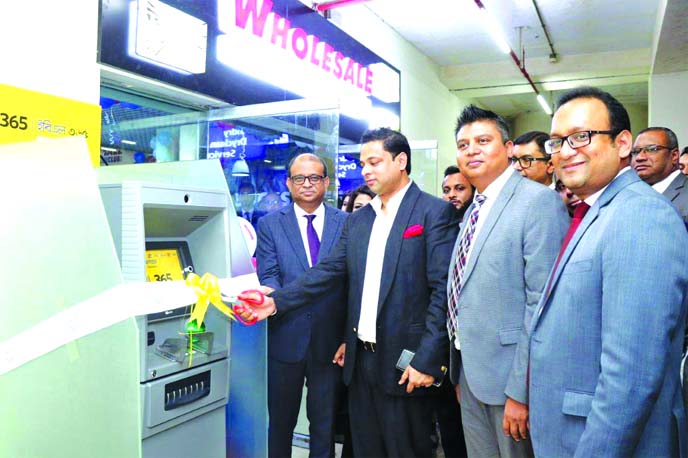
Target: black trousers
pixel 285 387
pixel 448 413
pixel 384 425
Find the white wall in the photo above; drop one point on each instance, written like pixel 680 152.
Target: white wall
pixel 428 109
pixel 667 106
pixel 638 115
pixel 50 46
pixel 540 121
pixel 525 122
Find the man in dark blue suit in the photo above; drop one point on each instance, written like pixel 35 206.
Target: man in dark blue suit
pixel 301 343
pixel 394 256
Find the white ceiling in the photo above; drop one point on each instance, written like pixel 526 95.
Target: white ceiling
pixel 607 43
pixel 452 32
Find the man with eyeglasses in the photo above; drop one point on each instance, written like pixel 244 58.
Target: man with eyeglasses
pixel 531 160
pixel 392 257
pixel 607 335
pixel 301 344
pixel 500 261
pixel 655 160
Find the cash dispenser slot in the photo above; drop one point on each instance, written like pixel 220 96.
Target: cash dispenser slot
pixel 187 390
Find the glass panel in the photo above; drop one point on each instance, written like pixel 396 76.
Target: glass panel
pixel 137 129
pixel 424 171
pixel 424 167
pixel 255 144
pixel 349 174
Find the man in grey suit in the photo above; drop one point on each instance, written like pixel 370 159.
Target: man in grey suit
pixel 606 338
pixel 301 344
pixel 655 157
pixel 507 246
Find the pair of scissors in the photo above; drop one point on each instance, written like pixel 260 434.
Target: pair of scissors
pixel 238 307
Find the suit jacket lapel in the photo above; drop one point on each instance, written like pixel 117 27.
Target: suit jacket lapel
pixel 331 224
pixel 674 188
pixel 393 247
pixel 607 196
pixel 293 233
pixel 360 232
pixel 495 212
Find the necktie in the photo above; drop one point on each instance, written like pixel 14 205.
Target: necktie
pixel 578 214
pixel 313 240
pixel 460 266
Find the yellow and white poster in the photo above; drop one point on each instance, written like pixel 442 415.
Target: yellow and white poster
pixel 27 115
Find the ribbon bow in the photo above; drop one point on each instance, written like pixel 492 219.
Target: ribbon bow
pixel 207 289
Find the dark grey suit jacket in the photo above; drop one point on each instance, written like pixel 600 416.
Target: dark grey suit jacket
pixel 677 193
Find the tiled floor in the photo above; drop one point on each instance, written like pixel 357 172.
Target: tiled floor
pixel 302 428
pixel 298 452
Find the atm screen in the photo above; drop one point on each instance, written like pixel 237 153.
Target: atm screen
pixel 168 261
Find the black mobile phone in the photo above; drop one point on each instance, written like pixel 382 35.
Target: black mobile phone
pixel 405 359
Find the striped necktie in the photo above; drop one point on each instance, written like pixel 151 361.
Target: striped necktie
pixel 460 266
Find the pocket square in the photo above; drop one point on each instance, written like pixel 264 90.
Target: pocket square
pixel 413 231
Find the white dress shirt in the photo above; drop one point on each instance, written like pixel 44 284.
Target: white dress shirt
pixel 318 224
pixel 491 193
pixel 374 259
pixel 662 185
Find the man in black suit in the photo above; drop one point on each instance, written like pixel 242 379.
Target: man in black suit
pixel 394 255
pixel 301 343
pixel 655 156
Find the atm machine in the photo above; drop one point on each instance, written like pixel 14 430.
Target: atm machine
pixel 163 228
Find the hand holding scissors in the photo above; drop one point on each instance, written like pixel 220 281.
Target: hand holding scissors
pixel 255 305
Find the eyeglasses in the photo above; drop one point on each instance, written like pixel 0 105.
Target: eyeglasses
pixel 649 149
pixel 575 140
pixel 526 161
pixel 300 179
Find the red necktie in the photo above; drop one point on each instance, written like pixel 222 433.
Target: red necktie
pixel 578 214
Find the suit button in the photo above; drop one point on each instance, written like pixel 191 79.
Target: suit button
pixel 354 329
pixel 308 315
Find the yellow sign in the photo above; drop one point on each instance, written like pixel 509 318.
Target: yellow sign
pixel 26 115
pixel 163 265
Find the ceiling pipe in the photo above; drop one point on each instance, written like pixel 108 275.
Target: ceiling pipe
pixel 521 68
pixel 326 6
pixel 553 56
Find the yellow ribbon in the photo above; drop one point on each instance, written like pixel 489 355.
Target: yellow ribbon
pixel 207 289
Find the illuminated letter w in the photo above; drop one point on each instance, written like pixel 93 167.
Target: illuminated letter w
pixel 247 11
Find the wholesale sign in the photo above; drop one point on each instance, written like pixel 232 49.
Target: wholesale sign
pixel 248 52
pixel 242 20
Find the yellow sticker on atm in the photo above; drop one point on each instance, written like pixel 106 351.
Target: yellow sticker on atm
pixel 26 115
pixel 163 265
